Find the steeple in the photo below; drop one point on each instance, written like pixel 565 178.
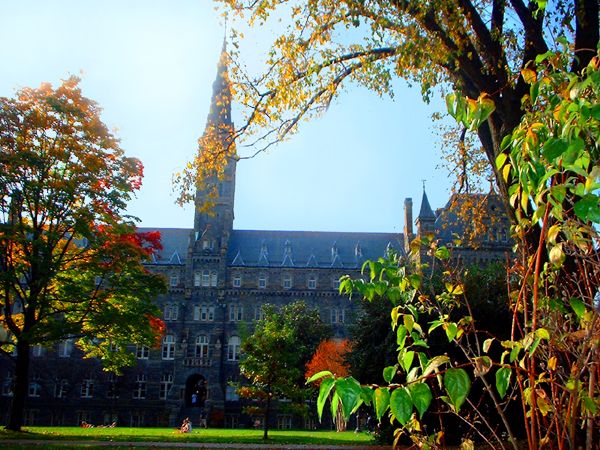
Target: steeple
pixel 216 222
pixel 426 218
pixel 220 105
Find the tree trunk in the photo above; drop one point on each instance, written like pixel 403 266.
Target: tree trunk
pixel 20 386
pixel 267 416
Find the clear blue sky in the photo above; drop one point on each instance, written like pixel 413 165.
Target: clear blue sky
pixel 151 64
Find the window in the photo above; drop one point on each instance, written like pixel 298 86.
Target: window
pixel 204 313
pixel 284 422
pixel 205 278
pixel 139 389
pixel 312 282
pixel 259 314
pixel 231 394
pixel 168 347
pixel 207 244
pixel 237 281
pixel 213 278
pixel 112 390
pixel 287 281
pixel 61 388
pixel 197 279
pixel 233 349
pixel 504 235
pixel 335 283
pixel 87 388
pixel 174 280
pixel 262 282
pixel 142 352
pixel 35 388
pixel 201 348
pixel 171 311
pixel 37 351
pixel 65 348
pixel 166 382
pixel 236 313
pixel 338 315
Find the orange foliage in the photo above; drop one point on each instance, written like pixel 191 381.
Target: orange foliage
pixel 329 355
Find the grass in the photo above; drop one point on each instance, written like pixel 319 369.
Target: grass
pixel 211 435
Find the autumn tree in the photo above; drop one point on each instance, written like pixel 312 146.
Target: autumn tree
pixel 330 356
pixel 475 48
pixel 71 259
pixel 275 355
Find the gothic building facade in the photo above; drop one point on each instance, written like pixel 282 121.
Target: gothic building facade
pixel 218 277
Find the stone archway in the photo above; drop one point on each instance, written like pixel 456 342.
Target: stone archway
pixel 195 391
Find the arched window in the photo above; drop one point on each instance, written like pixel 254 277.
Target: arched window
pixel 201 348
pixel 168 347
pixel 233 348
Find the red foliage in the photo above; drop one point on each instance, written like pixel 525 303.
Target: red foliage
pixel 158 327
pixel 329 355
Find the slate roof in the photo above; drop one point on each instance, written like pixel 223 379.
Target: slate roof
pixel 319 249
pixel 258 248
pixel 175 242
pixel 425 212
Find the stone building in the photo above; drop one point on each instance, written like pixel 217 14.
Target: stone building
pixel 218 278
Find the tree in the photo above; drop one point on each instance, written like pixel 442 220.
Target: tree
pixel 547 361
pixel 274 356
pixel 478 48
pixel 330 356
pixel 71 260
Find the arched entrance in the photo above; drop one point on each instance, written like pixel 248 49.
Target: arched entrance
pixel 195 391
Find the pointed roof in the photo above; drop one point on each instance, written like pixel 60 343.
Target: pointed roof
pixel 220 105
pixel 425 213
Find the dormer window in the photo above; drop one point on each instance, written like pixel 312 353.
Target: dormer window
pixel 208 244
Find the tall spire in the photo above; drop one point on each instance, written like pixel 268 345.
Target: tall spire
pixel 220 105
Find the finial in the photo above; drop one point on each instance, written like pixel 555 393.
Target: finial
pixel 423 181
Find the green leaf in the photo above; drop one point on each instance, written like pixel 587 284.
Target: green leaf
pixel 349 391
pixel 324 390
pixel 553 148
pixel 442 253
pixel 381 398
pixel 421 397
pixel 578 306
pixel 451 330
pixel 587 208
pixel 401 334
pixel 401 405
pixel 500 160
pixel 389 372
pixel 458 385
pixel 503 380
pixel 409 321
pixel 316 376
pixel 407 360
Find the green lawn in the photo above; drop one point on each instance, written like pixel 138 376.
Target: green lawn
pixel 211 435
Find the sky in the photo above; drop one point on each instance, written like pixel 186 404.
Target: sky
pixel 150 65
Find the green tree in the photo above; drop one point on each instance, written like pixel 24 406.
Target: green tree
pixel 71 260
pixel 275 356
pixel 548 360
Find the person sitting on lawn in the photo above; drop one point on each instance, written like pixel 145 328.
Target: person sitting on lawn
pixel 186 426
